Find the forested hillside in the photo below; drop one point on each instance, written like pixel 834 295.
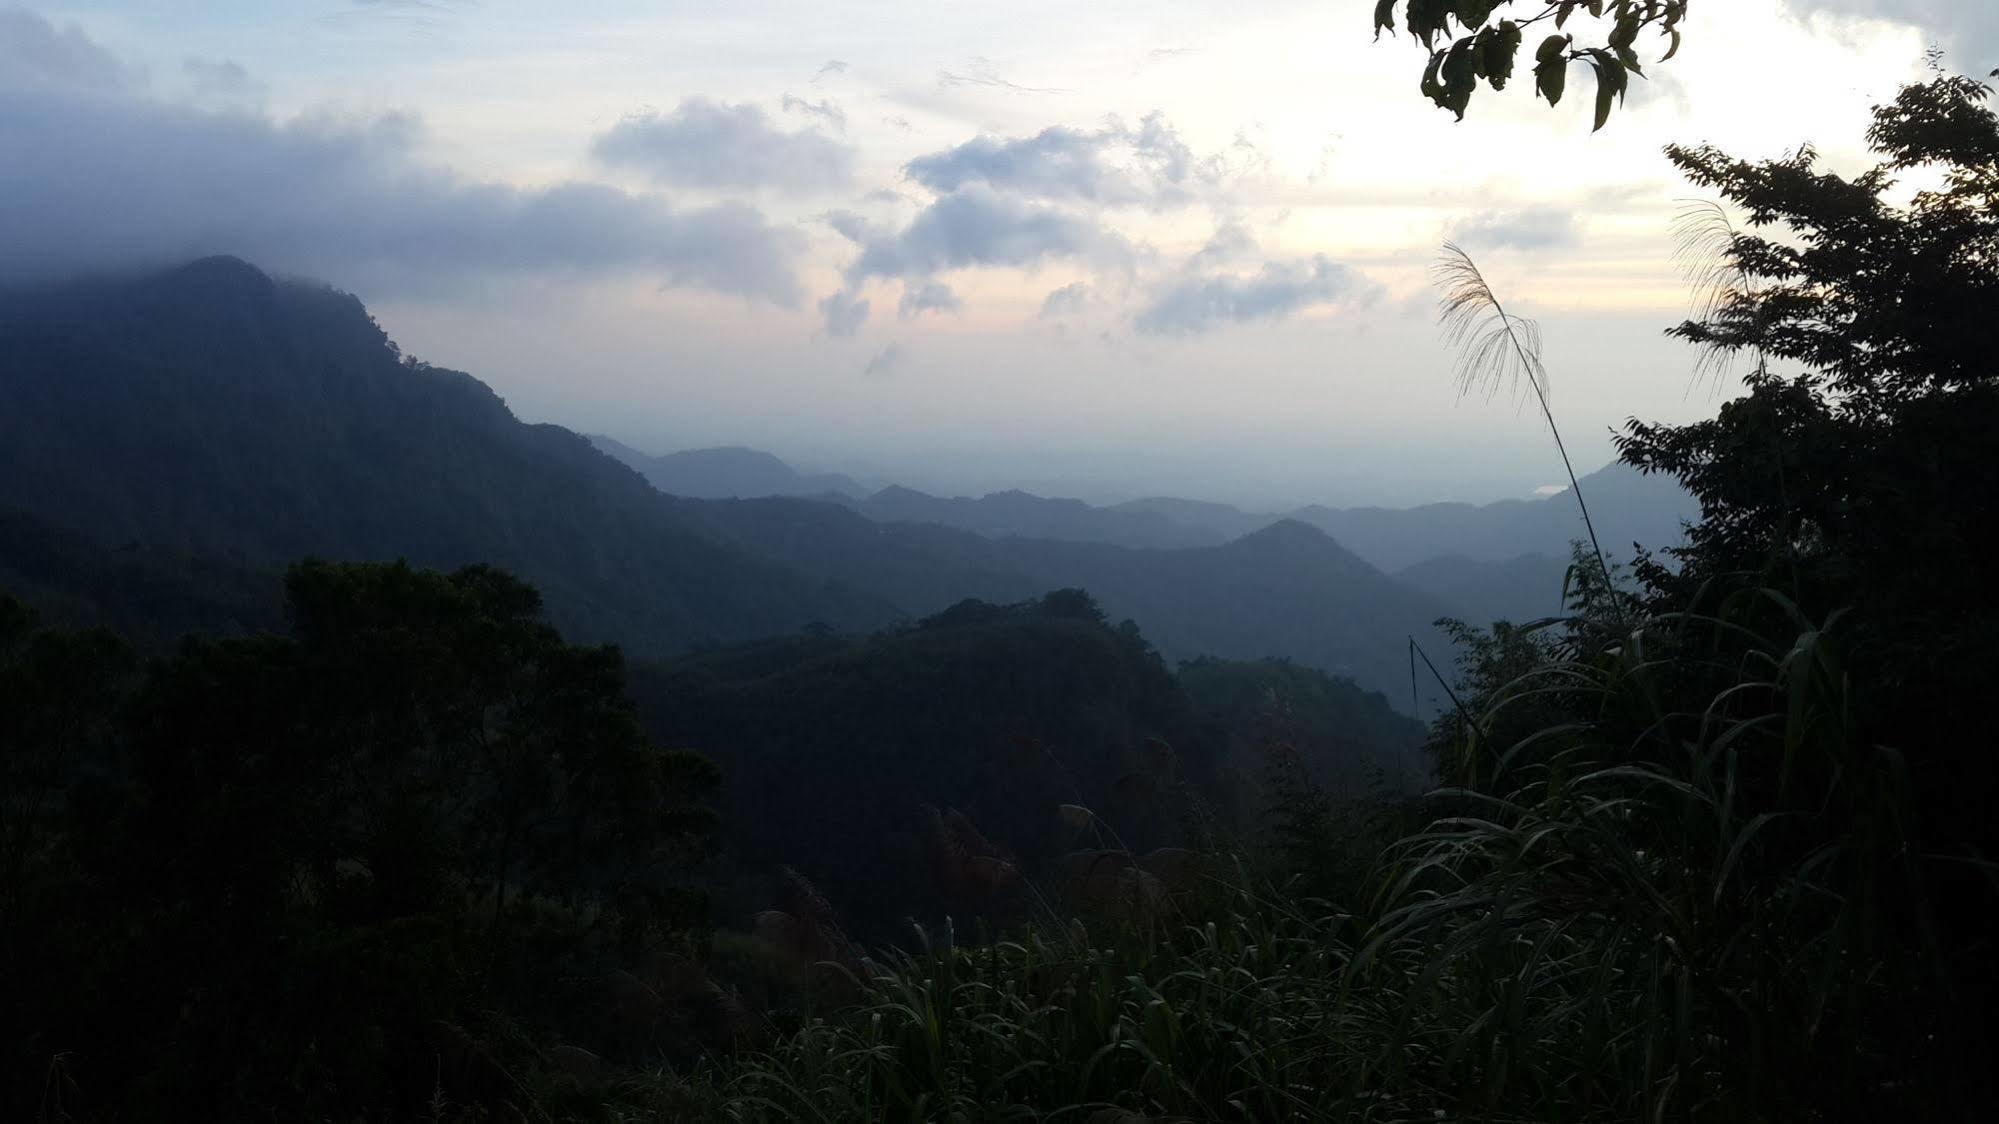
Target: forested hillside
pixel 212 411
pixel 839 752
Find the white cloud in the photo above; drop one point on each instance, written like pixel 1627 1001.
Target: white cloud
pixel 887 362
pixel 711 144
pixel 845 313
pixel 1068 300
pixel 823 110
pixel 222 82
pixel 38 56
pixel 1528 228
pixel 976 226
pixel 927 296
pixel 1115 165
pixel 1197 303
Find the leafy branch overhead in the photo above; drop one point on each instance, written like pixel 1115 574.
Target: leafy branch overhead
pixel 1467 45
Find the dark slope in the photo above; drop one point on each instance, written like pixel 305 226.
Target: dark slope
pixel 1287 590
pixel 1521 589
pixel 1351 742
pixel 726 473
pixel 834 748
pixel 209 410
pixel 151 596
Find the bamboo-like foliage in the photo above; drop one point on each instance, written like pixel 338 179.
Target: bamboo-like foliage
pixel 1497 349
pixel 1705 242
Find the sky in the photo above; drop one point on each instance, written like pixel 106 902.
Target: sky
pixel 1102 250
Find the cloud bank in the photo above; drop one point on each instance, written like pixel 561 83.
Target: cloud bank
pixel 1195 303
pixel 709 144
pixel 98 178
pixel 1530 228
pixel 1114 165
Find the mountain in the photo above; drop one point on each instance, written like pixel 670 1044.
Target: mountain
pixel 726 473
pixel 1018 513
pixel 1220 519
pixel 1521 589
pixel 1287 591
pixel 211 411
pixel 1627 506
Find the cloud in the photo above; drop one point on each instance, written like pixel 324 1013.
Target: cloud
pixel 1196 303
pixel 1530 228
pixel 708 144
pixel 1969 29
pixel 982 72
pixel 927 296
pixel 850 225
pixel 888 362
pixel 823 110
pixel 1069 300
pixel 1231 242
pixel 420 17
pixel 222 81
pixel 1114 165
pixel 976 226
pixel 830 66
pixel 36 56
pixel 96 183
pixel 845 312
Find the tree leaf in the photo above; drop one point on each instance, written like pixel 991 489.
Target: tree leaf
pixel 1550 78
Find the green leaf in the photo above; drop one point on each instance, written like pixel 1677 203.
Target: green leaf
pixel 1675 49
pixel 1433 89
pixel 1610 82
pixel 1460 75
pixel 1384 17
pixel 1497 49
pixel 1474 13
pixel 1550 77
pixel 1553 47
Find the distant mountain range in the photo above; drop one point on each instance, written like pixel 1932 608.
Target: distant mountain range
pixel 169 442
pixel 1483 562
pixel 726 473
pixel 1628 506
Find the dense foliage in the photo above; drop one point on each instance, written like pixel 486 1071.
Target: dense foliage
pixel 846 757
pixel 370 866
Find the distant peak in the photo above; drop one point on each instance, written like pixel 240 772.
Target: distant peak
pixel 221 268
pixel 1287 531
